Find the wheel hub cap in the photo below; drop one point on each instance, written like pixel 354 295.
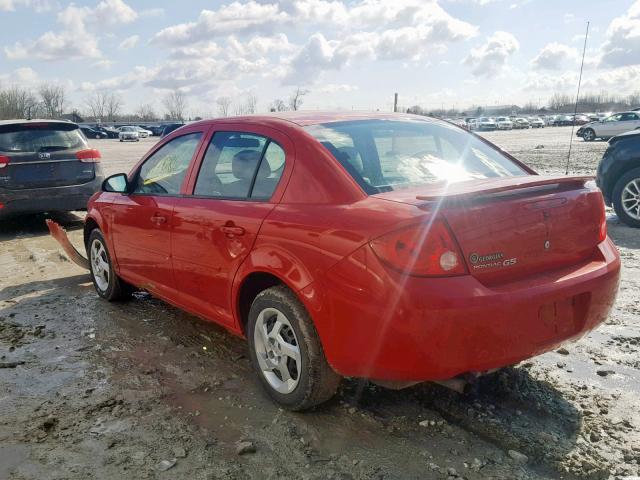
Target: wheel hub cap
pixel 277 350
pixel 631 199
pixel 100 265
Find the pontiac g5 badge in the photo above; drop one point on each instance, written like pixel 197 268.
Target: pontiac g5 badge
pixel 490 260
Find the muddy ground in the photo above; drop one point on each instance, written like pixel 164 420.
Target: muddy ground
pixel 138 389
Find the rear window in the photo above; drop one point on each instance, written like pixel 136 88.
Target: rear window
pixel 40 137
pixel 385 155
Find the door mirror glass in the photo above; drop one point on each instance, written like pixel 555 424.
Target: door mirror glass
pixel 117 183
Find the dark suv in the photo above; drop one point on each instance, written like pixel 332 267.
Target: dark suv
pixel 45 166
pixel 619 176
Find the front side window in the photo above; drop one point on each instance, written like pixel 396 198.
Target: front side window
pixel 240 166
pixel 384 155
pixel 164 172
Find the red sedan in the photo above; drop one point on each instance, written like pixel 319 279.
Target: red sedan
pixel 390 247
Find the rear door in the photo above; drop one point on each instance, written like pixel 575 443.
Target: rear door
pixel 43 155
pixel 141 220
pixel 216 227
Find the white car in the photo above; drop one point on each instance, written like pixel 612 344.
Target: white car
pixel 536 122
pixel 503 123
pixel 610 127
pixel 521 123
pixel 128 133
pixel 486 124
pixel 143 133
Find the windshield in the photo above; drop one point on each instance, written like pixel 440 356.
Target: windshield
pixel 40 137
pixel 384 155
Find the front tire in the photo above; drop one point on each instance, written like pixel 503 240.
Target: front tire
pixel 589 135
pixel 626 198
pixel 286 351
pixel 108 285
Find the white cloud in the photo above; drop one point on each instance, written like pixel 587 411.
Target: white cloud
pixel 490 58
pixel 77 39
pixel 332 88
pixel 234 18
pixel 24 77
pixel 622 45
pixel 129 42
pixel 555 56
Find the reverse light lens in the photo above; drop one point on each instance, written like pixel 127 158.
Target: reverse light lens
pixel 423 250
pixel 4 161
pixel 89 156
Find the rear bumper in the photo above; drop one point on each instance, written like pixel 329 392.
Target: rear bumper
pixel 62 199
pixel 377 324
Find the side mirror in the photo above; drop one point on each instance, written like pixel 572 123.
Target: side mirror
pixel 117 183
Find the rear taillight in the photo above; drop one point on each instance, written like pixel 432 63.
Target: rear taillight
pixel 4 161
pixel 88 156
pixel 428 249
pixel 602 232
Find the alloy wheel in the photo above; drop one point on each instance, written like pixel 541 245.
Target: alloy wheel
pixel 277 350
pixel 100 265
pixel 631 198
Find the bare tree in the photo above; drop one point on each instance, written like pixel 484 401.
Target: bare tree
pixel 146 112
pixel 224 103
pixel 17 102
pixel 53 99
pixel 295 100
pixel 113 105
pixel 248 107
pixel 96 102
pixel 278 105
pixel 175 103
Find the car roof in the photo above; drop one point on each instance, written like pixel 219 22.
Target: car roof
pixel 34 120
pixel 306 118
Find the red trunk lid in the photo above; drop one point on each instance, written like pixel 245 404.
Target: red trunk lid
pixel 513 227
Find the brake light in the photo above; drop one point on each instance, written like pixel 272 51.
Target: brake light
pixel 4 161
pixel 428 250
pixel 602 232
pixel 88 156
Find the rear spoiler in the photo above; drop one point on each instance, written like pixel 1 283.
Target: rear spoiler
pixel 483 188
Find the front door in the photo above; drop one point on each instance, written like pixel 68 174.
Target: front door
pixel 216 227
pixel 142 220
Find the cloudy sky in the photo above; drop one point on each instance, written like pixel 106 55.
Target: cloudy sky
pixel 347 53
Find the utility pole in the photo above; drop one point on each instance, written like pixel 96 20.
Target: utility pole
pixel 395 102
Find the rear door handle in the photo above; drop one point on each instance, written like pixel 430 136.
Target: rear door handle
pixel 158 219
pixel 232 230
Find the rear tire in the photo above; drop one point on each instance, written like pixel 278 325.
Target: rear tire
pixel 626 198
pixel 286 351
pixel 589 135
pixel 108 285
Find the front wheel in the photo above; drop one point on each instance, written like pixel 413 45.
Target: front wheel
pixel 108 285
pixel 589 135
pixel 286 351
pixel 626 198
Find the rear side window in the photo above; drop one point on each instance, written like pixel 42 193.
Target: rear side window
pixel 40 137
pixel 240 166
pixel 164 171
pixel 384 155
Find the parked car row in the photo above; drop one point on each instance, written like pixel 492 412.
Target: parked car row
pixel 96 131
pixel 487 124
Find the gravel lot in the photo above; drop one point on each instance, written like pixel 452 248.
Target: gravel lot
pixel 139 389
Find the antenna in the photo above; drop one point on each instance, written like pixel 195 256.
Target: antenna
pixel 575 111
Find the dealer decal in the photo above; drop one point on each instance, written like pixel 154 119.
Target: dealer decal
pixel 490 260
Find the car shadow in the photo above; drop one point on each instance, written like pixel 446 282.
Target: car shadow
pixel 622 234
pixel 34 225
pixel 509 408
